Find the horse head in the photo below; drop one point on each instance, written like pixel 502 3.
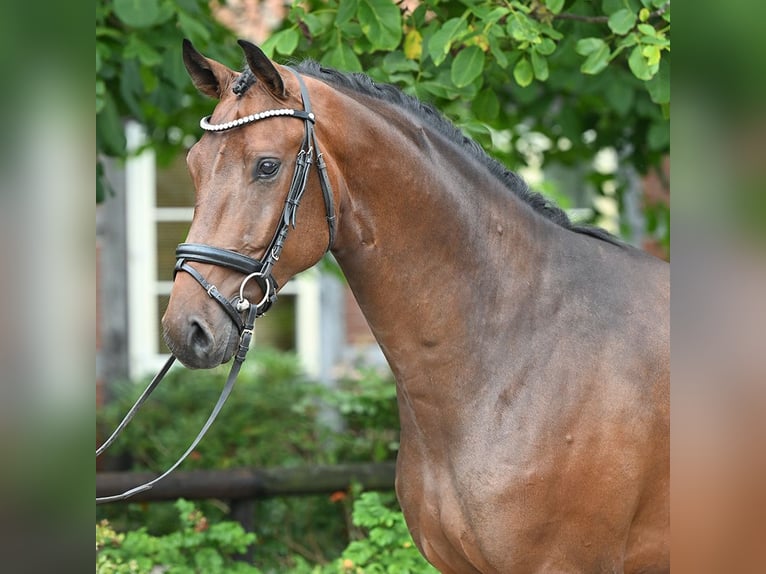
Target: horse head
pixel 250 170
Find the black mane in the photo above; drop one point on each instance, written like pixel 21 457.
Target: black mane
pixel 363 84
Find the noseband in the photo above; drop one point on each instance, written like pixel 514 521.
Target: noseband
pixel 256 270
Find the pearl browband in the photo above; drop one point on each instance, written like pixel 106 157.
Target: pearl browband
pixel 207 126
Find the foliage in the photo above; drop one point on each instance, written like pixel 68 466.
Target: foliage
pixel 273 418
pixel 140 73
pixel 562 79
pixel 259 424
pixel 366 400
pixel 538 82
pixel 383 545
pixel 387 547
pixel 196 547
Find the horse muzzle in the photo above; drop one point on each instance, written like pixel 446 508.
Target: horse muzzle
pixel 198 342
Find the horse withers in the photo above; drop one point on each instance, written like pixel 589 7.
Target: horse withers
pixel 531 355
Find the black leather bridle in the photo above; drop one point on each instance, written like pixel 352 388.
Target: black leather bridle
pixel 241 311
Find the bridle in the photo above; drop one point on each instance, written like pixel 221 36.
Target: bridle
pixel 241 311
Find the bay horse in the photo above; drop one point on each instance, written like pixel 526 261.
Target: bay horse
pixel 531 355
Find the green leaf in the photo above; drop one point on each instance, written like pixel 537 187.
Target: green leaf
pixel 193 28
pixel 596 60
pixel 587 46
pixel 549 31
pixel 554 6
pixel 523 73
pixel 173 67
pixel 659 85
pixel 100 91
pixel 314 23
pixel 620 93
pixel 137 48
pixel 658 136
pixel 432 87
pixel 110 133
pixel 520 29
pixel 659 40
pixel 546 47
pixel 467 66
pixel 652 55
pixel 395 62
pixel 628 41
pixel 104 32
pixel 138 13
pixel 131 88
pixel 287 41
pixel 540 66
pixel 497 51
pixel 440 43
pixel 342 57
pixel 489 16
pixel 609 7
pixel 622 21
pixel 346 10
pixel 150 80
pixel 381 23
pixel 638 64
pixel 486 106
pixel 102 185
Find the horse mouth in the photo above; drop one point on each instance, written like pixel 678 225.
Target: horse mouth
pixel 197 345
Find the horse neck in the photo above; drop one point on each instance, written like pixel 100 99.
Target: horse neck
pixel 424 231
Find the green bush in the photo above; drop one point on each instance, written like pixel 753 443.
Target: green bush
pixel 196 547
pixel 365 398
pixel 273 418
pixel 382 546
pixel 387 547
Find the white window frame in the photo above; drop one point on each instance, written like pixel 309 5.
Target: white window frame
pixel 142 216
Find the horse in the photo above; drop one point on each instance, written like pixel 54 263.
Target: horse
pixel 531 354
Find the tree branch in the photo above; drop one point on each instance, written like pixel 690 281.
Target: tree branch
pixel 580 18
pixel 604 19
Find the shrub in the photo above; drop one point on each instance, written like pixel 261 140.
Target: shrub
pixel 383 546
pixel 197 547
pixel 387 547
pixel 271 419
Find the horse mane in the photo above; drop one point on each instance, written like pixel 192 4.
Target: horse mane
pixel 362 84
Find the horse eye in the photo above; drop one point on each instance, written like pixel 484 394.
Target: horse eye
pixel 266 168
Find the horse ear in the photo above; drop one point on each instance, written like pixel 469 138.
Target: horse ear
pixel 263 68
pixel 209 77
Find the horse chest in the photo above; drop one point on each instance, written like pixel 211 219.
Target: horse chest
pixel 516 504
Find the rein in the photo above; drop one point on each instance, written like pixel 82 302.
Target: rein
pixel 257 270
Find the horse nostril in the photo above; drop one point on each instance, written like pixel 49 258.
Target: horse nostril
pixel 200 340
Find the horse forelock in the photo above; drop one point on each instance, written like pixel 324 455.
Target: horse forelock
pixel 243 82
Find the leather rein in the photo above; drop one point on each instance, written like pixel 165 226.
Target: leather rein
pixel 241 311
